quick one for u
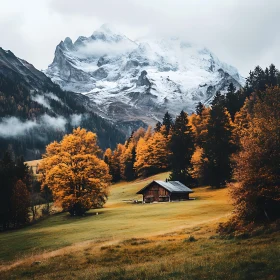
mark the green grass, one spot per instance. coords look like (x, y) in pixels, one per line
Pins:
(164, 257)
(135, 241)
(117, 220)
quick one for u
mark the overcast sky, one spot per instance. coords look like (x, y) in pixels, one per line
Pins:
(243, 33)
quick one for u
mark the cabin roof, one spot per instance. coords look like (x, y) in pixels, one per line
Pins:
(171, 186)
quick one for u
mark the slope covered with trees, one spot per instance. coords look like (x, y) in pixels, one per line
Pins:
(236, 140)
(34, 111)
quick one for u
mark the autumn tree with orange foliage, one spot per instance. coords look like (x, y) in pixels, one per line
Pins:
(159, 152)
(199, 123)
(152, 153)
(115, 164)
(141, 165)
(256, 196)
(76, 175)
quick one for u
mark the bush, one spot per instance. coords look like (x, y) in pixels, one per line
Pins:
(190, 239)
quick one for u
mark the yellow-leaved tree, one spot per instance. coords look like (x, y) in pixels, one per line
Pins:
(141, 165)
(75, 174)
(256, 196)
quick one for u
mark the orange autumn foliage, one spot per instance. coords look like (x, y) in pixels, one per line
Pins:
(256, 196)
(77, 177)
(152, 153)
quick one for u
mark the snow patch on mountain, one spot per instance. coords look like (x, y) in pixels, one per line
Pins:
(139, 81)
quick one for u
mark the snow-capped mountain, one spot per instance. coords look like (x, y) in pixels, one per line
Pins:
(138, 81)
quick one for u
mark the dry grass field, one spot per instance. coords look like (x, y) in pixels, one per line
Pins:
(33, 164)
(140, 241)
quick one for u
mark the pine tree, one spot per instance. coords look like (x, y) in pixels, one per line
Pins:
(20, 203)
(234, 100)
(218, 99)
(167, 122)
(199, 108)
(231, 100)
(181, 148)
(10, 172)
(7, 179)
(129, 140)
(158, 127)
(127, 160)
(273, 76)
(218, 147)
(260, 79)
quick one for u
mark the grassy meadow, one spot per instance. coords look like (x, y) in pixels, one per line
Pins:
(175, 240)
(33, 164)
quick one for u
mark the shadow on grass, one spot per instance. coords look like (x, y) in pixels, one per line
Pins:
(67, 217)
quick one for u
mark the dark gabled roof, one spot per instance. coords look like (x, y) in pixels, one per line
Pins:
(171, 186)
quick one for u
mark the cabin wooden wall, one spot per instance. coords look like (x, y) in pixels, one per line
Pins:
(180, 196)
(156, 191)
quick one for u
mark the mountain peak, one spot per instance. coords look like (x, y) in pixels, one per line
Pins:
(107, 28)
(107, 32)
(140, 81)
(68, 41)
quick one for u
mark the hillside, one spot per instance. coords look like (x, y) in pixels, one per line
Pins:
(131, 82)
(135, 241)
(34, 111)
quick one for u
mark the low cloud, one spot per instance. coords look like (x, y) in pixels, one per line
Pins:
(41, 100)
(44, 99)
(99, 48)
(13, 127)
(55, 123)
(75, 120)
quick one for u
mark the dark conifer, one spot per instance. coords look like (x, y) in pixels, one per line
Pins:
(217, 149)
(199, 108)
(10, 173)
(182, 149)
(129, 172)
(20, 202)
(167, 122)
(7, 170)
(218, 99)
(232, 100)
(129, 139)
(158, 126)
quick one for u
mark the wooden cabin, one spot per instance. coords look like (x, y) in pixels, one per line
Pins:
(165, 191)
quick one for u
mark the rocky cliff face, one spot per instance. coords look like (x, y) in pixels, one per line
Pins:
(134, 82)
